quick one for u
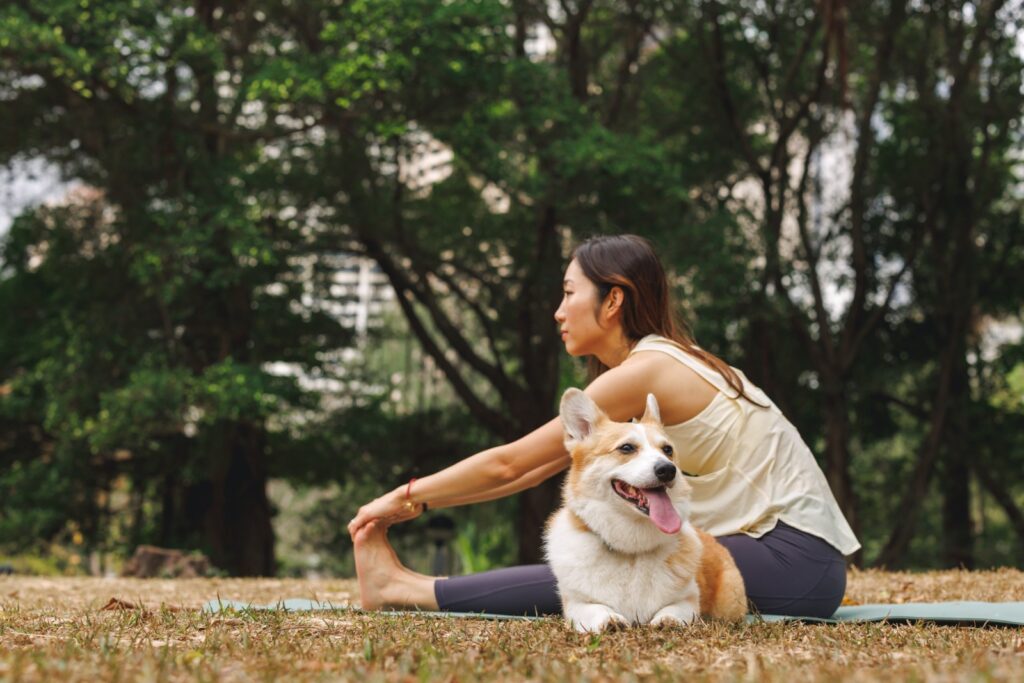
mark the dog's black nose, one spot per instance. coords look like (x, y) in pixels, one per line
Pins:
(665, 471)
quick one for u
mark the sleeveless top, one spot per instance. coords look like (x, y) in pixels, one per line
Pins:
(748, 465)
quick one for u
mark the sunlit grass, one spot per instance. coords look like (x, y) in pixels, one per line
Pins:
(56, 629)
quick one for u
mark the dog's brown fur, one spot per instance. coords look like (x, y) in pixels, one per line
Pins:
(696, 557)
(722, 594)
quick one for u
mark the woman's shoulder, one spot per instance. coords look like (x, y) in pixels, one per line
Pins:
(658, 353)
(662, 367)
(649, 357)
(653, 340)
(664, 345)
(680, 390)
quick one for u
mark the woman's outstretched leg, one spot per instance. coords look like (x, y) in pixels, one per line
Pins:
(383, 580)
(529, 590)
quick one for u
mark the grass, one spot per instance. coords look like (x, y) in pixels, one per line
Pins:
(56, 629)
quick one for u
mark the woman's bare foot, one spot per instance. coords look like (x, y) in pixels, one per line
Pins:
(383, 581)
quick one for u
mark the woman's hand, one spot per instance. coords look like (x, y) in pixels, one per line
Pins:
(390, 508)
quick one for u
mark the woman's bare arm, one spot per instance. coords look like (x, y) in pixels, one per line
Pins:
(528, 480)
(480, 477)
(512, 467)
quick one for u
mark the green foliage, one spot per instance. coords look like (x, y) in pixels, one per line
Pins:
(480, 549)
(49, 562)
(231, 152)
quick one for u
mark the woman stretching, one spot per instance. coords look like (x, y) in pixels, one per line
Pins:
(756, 485)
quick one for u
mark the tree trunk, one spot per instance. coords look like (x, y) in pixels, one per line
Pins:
(169, 510)
(238, 517)
(957, 535)
(540, 349)
(906, 513)
(837, 457)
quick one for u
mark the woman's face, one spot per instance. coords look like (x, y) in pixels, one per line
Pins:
(576, 315)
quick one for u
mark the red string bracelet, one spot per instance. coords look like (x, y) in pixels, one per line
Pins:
(408, 495)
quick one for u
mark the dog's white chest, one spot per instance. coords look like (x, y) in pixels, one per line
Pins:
(634, 586)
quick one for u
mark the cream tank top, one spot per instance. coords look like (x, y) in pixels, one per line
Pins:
(748, 466)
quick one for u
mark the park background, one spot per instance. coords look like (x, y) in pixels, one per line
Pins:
(292, 254)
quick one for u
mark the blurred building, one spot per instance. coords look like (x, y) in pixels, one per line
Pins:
(360, 293)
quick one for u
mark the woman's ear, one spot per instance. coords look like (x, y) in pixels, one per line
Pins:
(613, 302)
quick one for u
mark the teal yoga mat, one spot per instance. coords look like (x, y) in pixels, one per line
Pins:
(303, 605)
(952, 613)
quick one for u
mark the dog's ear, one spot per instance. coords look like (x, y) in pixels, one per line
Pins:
(652, 412)
(579, 415)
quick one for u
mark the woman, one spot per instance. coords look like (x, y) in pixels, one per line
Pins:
(756, 485)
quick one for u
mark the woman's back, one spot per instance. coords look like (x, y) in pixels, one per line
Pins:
(747, 464)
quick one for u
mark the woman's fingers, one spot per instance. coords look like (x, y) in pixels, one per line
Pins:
(368, 515)
(361, 519)
(388, 509)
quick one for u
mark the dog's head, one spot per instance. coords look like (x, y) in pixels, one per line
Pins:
(623, 482)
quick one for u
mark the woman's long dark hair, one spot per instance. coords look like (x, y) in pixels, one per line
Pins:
(629, 262)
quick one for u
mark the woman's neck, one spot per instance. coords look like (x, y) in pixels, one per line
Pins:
(615, 350)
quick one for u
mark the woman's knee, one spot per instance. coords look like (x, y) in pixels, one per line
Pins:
(817, 597)
(783, 577)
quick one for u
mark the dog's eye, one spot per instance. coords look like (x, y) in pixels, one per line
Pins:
(667, 450)
(627, 448)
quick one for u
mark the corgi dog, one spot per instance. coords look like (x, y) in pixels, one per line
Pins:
(621, 546)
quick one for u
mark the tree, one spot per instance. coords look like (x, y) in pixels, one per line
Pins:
(476, 259)
(189, 257)
(851, 87)
(966, 79)
(237, 147)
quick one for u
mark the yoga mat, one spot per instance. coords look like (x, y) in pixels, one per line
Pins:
(303, 605)
(952, 613)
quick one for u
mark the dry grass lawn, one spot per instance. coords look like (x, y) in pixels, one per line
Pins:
(56, 629)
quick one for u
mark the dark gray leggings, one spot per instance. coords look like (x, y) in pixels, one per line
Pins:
(786, 571)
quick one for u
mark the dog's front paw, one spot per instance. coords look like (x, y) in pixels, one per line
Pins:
(594, 618)
(680, 614)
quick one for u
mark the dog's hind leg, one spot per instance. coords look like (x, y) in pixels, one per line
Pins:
(592, 617)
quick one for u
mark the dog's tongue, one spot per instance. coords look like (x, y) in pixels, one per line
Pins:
(663, 513)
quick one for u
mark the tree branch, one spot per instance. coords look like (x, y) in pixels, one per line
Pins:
(824, 326)
(865, 143)
(481, 314)
(1004, 498)
(788, 125)
(494, 373)
(801, 54)
(424, 294)
(575, 50)
(974, 54)
(492, 419)
(764, 76)
(910, 503)
(625, 72)
(721, 82)
(850, 350)
(911, 408)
